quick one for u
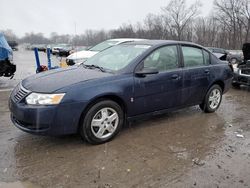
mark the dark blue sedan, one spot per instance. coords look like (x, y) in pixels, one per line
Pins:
(124, 82)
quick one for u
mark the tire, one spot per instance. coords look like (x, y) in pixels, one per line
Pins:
(212, 99)
(102, 122)
(233, 61)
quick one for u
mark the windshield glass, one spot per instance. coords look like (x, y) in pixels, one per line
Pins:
(104, 45)
(117, 57)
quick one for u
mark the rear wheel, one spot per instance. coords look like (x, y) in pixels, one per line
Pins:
(212, 99)
(102, 122)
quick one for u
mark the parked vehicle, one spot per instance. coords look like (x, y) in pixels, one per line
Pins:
(55, 49)
(81, 56)
(65, 51)
(41, 47)
(7, 68)
(219, 53)
(242, 70)
(125, 82)
(13, 44)
(235, 56)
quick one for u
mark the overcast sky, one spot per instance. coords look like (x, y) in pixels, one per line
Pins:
(61, 16)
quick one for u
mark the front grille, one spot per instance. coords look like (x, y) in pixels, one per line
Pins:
(19, 93)
(245, 71)
(30, 126)
(243, 79)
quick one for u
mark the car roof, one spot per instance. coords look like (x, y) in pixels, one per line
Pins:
(215, 48)
(163, 42)
(126, 39)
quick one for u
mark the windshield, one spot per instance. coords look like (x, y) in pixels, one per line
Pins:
(104, 45)
(117, 57)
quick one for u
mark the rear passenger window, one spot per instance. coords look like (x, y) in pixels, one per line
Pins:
(192, 56)
(206, 57)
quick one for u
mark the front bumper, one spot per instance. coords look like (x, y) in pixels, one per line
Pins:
(241, 79)
(57, 120)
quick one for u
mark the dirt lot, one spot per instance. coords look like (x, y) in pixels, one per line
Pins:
(186, 148)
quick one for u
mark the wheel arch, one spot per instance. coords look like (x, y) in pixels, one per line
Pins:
(112, 97)
(217, 82)
(220, 83)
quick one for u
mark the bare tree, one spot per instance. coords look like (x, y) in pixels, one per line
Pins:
(228, 27)
(10, 35)
(180, 15)
(124, 31)
(245, 15)
(34, 38)
(234, 17)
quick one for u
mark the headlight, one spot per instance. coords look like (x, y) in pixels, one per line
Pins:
(44, 99)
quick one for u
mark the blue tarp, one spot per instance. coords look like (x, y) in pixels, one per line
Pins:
(5, 49)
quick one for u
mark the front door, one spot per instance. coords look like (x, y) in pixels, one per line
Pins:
(163, 90)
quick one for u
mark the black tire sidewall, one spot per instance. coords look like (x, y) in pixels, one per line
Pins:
(85, 129)
(206, 106)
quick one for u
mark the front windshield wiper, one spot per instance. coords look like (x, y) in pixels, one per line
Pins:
(93, 67)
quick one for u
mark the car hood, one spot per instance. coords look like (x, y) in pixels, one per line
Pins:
(82, 55)
(50, 81)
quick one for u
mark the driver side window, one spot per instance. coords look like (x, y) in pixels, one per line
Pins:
(163, 59)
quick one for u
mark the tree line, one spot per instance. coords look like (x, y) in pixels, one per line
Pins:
(227, 26)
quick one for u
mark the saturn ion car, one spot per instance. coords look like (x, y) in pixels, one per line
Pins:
(124, 82)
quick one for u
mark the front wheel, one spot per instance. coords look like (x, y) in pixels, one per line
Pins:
(102, 122)
(212, 99)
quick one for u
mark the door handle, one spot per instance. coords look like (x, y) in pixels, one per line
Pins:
(207, 71)
(175, 77)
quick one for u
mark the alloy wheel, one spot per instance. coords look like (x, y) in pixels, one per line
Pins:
(104, 123)
(214, 98)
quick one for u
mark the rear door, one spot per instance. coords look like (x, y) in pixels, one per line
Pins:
(196, 74)
(163, 90)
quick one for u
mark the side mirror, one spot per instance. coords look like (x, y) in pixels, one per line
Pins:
(146, 71)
